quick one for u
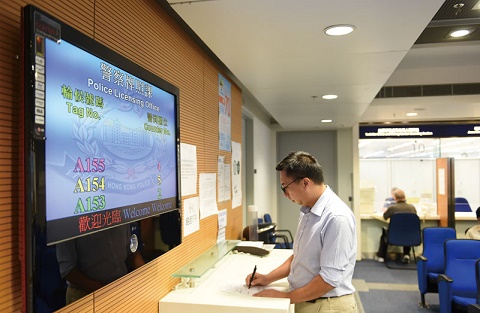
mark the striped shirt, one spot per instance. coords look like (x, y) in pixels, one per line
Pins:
(325, 244)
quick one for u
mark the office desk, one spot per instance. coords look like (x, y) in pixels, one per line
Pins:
(465, 216)
(209, 295)
(379, 217)
(371, 229)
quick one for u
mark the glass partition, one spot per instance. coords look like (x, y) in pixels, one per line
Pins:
(409, 164)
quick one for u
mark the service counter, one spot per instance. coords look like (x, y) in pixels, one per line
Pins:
(371, 229)
(212, 292)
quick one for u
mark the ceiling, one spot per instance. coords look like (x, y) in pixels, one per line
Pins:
(278, 51)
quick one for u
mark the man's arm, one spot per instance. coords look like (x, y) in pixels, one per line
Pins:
(280, 272)
(316, 288)
(387, 214)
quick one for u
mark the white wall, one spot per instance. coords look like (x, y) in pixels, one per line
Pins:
(345, 165)
(467, 181)
(356, 187)
(260, 157)
(415, 176)
(264, 169)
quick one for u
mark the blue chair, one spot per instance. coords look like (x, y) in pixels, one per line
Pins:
(477, 279)
(432, 261)
(457, 288)
(403, 230)
(462, 205)
(475, 308)
(284, 234)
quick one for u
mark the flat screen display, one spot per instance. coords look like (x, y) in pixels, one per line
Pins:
(101, 149)
(108, 131)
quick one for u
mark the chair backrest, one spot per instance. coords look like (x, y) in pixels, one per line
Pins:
(404, 230)
(267, 218)
(433, 242)
(460, 261)
(462, 205)
(477, 277)
(266, 231)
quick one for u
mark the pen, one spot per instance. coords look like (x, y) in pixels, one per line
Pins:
(251, 278)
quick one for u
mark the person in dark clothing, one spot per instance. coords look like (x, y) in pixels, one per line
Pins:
(401, 205)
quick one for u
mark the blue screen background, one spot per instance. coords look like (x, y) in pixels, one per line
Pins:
(134, 158)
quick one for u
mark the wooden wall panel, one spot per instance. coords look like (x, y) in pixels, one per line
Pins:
(79, 14)
(142, 32)
(10, 270)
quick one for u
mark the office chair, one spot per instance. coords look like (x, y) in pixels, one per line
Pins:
(286, 235)
(477, 279)
(432, 261)
(266, 233)
(475, 308)
(462, 205)
(457, 288)
(403, 230)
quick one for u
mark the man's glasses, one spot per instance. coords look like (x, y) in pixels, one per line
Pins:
(284, 188)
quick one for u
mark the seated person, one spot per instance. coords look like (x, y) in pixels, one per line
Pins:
(474, 232)
(95, 260)
(390, 200)
(401, 205)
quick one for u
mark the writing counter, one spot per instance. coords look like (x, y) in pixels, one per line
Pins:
(209, 295)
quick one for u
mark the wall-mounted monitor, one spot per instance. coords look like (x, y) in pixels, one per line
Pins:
(101, 136)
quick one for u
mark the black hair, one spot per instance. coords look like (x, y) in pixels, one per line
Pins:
(300, 164)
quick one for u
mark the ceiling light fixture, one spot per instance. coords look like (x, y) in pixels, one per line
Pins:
(326, 121)
(339, 30)
(411, 114)
(459, 33)
(329, 97)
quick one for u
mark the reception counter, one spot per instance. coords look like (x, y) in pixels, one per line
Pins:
(378, 216)
(371, 229)
(213, 292)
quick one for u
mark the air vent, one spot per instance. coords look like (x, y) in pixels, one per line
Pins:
(429, 90)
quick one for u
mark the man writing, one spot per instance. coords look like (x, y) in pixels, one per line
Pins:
(324, 253)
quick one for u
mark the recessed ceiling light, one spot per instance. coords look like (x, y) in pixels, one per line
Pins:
(339, 30)
(460, 33)
(326, 121)
(329, 97)
(411, 114)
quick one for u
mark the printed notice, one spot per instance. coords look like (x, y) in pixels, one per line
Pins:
(188, 155)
